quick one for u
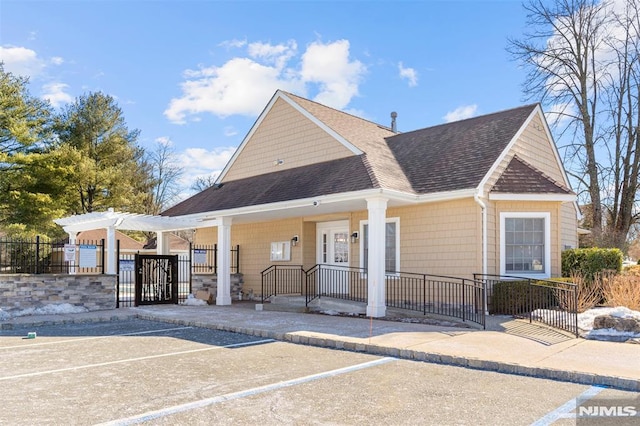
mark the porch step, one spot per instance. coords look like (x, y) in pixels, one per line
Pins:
(286, 304)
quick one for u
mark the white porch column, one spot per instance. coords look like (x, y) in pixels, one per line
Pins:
(162, 243)
(72, 240)
(111, 250)
(223, 296)
(377, 208)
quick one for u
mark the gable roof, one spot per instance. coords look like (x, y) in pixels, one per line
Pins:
(367, 136)
(456, 155)
(522, 178)
(450, 158)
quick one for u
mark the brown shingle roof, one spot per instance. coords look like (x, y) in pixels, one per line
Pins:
(330, 177)
(365, 135)
(522, 178)
(456, 155)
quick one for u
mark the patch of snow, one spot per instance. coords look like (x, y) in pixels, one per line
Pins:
(586, 319)
(53, 309)
(193, 301)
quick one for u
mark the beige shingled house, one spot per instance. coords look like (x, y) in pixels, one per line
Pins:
(311, 185)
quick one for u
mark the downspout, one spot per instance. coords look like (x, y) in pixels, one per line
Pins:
(483, 207)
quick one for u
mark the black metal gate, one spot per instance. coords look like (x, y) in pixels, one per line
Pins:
(156, 279)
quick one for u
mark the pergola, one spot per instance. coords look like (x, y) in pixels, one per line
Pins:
(112, 220)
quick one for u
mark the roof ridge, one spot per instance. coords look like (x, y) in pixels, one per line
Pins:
(477, 117)
(337, 110)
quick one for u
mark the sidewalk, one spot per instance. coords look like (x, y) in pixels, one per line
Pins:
(519, 348)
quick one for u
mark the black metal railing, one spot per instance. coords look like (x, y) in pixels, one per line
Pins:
(554, 303)
(39, 256)
(429, 294)
(338, 282)
(438, 295)
(204, 258)
(282, 280)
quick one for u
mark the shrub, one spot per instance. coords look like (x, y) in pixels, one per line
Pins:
(509, 298)
(623, 290)
(590, 261)
(588, 293)
(519, 297)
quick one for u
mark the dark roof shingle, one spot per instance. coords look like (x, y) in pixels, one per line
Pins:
(522, 178)
(330, 177)
(456, 155)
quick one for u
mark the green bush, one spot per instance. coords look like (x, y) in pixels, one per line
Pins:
(518, 297)
(590, 261)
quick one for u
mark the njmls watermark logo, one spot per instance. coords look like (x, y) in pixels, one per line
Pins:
(608, 411)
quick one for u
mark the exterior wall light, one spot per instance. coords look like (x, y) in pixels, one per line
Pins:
(294, 240)
(354, 237)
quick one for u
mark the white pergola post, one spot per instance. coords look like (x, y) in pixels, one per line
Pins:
(111, 250)
(72, 240)
(377, 210)
(162, 243)
(223, 296)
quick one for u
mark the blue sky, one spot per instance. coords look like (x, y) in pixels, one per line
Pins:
(199, 72)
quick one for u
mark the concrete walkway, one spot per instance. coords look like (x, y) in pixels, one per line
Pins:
(510, 346)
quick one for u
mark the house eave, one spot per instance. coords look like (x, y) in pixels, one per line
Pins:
(325, 204)
(565, 198)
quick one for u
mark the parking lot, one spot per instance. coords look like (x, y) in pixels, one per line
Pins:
(136, 371)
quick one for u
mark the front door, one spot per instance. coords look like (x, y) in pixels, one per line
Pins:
(333, 251)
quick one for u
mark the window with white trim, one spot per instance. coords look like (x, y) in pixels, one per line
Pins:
(391, 246)
(525, 244)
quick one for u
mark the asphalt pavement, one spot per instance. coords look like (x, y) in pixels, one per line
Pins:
(507, 346)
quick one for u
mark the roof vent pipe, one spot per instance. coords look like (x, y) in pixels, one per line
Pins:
(394, 129)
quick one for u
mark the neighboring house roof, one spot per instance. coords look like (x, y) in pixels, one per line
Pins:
(445, 158)
(522, 178)
(126, 242)
(175, 243)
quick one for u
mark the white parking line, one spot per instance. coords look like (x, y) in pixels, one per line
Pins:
(151, 415)
(563, 411)
(92, 338)
(122, 361)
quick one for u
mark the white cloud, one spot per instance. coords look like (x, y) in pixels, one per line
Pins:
(460, 113)
(242, 85)
(409, 73)
(202, 163)
(230, 131)
(330, 67)
(233, 43)
(56, 94)
(57, 60)
(21, 61)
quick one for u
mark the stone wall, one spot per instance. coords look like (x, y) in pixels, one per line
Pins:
(209, 282)
(93, 292)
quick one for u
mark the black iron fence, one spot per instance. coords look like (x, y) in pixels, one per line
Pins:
(204, 258)
(280, 280)
(554, 303)
(40, 256)
(439, 295)
(429, 294)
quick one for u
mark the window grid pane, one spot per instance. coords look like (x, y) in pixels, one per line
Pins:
(524, 245)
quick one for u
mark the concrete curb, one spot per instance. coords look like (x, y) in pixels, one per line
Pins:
(621, 383)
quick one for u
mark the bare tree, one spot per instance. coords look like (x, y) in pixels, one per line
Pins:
(202, 183)
(582, 61)
(166, 174)
(623, 83)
